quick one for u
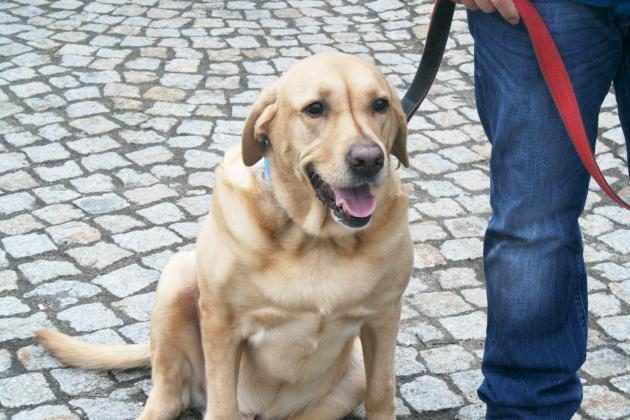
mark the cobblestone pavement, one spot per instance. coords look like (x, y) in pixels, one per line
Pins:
(113, 114)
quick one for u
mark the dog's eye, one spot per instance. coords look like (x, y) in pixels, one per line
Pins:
(315, 109)
(380, 105)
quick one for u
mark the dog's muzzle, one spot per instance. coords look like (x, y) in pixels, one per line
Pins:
(351, 206)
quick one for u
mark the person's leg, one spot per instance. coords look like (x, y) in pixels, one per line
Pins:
(536, 282)
(622, 83)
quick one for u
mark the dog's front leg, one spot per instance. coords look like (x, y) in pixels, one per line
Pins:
(378, 338)
(222, 352)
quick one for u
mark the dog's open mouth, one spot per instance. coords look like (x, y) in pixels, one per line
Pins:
(352, 206)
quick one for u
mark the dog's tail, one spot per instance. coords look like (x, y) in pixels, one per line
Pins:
(85, 355)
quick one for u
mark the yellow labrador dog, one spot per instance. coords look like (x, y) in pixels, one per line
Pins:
(290, 304)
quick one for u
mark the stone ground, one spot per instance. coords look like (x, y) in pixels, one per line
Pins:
(113, 114)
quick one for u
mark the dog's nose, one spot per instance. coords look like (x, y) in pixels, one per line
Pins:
(365, 159)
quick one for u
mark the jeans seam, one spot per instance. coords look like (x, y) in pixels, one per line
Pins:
(579, 300)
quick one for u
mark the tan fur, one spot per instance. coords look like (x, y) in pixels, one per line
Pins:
(78, 353)
(281, 311)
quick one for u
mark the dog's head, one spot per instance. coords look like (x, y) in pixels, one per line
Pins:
(328, 128)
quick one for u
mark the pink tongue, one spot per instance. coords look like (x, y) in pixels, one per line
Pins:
(357, 201)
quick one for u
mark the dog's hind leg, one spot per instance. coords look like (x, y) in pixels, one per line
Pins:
(176, 357)
(344, 397)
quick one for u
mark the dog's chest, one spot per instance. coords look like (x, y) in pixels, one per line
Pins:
(298, 346)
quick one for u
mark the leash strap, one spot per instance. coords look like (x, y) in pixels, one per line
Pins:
(551, 66)
(559, 85)
(434, 46)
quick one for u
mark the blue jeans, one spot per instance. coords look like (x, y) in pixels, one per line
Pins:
(536, 280)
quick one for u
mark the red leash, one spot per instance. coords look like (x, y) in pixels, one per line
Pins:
(551, 65)
(561, 90)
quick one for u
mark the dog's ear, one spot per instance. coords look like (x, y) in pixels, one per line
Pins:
(257, 126)
(399, 147)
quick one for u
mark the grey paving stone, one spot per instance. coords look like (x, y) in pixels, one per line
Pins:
(58, 213)
(166, 94)
(407, 362)
(118, 224)
(466, 327)
(162, 213)
(12, 161)
(8, 278)
(35, 358)
(104, 161)
(601, 403)
(427, 256)
(146, 240)
(618, 240)
(462, 249)
(150, 155)
(29, 89)
(16, 181)
(12, 203)
(474, 412)
(82, 93)
(137, 333)
(18, 225)
(10, 305)
(107, 409)
(64, 292)
(150, 194)
(168, 171)
(440, 304)
(441, 208)
(158, 260)
(468, 382)
(617, 327)
(613, 271)
(425, 231)
(47, 412)
(18, 139)
(80, 381)
(22, 327)
(457, 277)
(426, 394)
(447, 359)
(94, 125)
(475, 296)
(5, 360)
(621, 290)
(98, 256)
(127, 280)
(195, 127)
(201, 160)
(137, 307)
(55, 194)
(26, 389)
(101, 204)
(605, 363)
(89, 317)
(622, 383)
(46, 153)
(73, 233)
(105, 336)
(91, 145)
(603, 304)
(85, 108)
(466, 227)
(93, 184)
(56, 173)
(28, 245)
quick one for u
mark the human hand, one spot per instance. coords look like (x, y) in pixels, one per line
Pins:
(506, 8)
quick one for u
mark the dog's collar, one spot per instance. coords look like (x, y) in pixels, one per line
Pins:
(267, 168)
